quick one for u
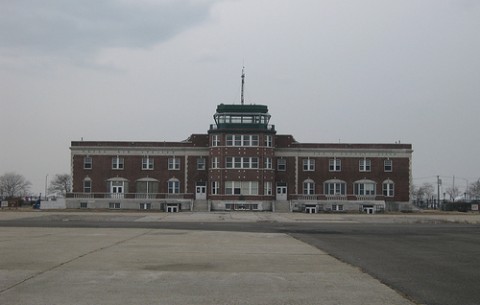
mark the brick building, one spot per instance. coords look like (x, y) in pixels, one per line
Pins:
(240, 164)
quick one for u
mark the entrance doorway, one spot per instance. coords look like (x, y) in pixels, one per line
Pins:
(172, 208)
(281, 191)
(368, 209)
(311, 209)
(201, 191)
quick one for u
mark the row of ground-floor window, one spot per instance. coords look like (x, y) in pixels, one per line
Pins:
(369, 207)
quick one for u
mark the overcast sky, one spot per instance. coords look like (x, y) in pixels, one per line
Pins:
(152, 70)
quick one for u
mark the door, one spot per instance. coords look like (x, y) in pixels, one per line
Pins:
(201, 191)
(117, 189)
(310, 210)
(172, 208)
(281, 191)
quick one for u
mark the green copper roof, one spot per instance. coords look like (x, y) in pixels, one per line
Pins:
(235, 108)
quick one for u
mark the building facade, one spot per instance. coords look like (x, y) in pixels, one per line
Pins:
(240, 164)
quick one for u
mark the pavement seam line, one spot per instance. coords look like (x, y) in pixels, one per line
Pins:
(72, 260)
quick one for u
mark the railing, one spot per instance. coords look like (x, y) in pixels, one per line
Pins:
(139, 196)
(337, 197)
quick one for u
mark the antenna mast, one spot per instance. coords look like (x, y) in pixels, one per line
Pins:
(243, 84)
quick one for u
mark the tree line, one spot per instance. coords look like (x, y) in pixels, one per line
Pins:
(13, 185)
(427, 191)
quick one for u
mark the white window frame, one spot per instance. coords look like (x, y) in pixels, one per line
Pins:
(388, 188)
(241, 162)
(87, 189)
(215, 162)
(173, 186)
(239, 140)
(388, 165)
(335, 187)
(281, 164)
(308, 165)
(365, 188)
(173, 163)
(268, 188)
(114, 205)
(215, 188)
(87, 162)
(201, 163)
(147, 163)
(118, 163)
(268, 141)
(268, 163)
(145, 206)
(248, 188)
(337, 207)
(335, 165)
(215, 140)
(308, 187)
(365, 165)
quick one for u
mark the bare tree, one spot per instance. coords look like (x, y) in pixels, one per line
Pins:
(474, 190)
(453, 192)
(14, 185)
(61, 183)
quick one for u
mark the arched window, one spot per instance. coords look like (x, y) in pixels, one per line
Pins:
(335, 187)
(308, 187)
(146, 187)
(87, 185)
(173, 186)
(365, 187)
(388, 188)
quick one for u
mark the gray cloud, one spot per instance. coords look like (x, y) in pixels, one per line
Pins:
(58, 26)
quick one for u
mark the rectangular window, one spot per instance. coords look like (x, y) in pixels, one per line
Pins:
(114, 205)
(308, 164)
(268, 163)
(215, 188)
(308, 188)
(337, 207)
(241, 188)
(335, 165)
(83, 205)
(365, 165)
(201, 164)
(388, 189)
(241, 162)
(267, 188)
(147, 163)
(117, 163)
(215, 162)
(173, 186)
(242, 140)
(388, 165)
(215, 140)
(87, 186)
(145, 206)
(87, 163)
(173, 163)
(281, 165)
(268, 141)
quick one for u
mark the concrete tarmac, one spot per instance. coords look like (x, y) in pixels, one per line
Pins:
(158, 266)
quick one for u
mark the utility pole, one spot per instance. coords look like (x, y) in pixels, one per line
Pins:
(439, 182)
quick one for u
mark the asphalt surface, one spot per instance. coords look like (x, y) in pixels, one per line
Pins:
(432, 262)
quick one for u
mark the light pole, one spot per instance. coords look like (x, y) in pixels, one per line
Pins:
(46, 179)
